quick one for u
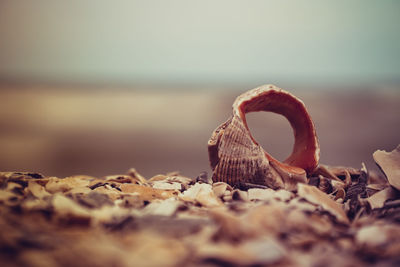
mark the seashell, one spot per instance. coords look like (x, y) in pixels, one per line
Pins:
(237, 159)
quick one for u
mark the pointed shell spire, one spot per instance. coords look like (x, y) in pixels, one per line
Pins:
(237, 159)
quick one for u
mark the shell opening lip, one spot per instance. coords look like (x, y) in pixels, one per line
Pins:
(269, 98)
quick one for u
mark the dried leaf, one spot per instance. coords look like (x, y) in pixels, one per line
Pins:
(340, 194)
(389, 162)
(80, 190)
(261, 194)
(316, 196)
(62, 185)
(130, 201)
(120, 178)
(68, 210)
(377, 187)
(111, 192)
(347, 179)
(37, 190)
(185, 181)
(263, 251)
(267, 219)
(219, 188)
(325, 171)
(158, 177)
(137, 176)
(283, 195)
(378, 199)
(167, 185)
(175, 182)
(93, 200)
(201, 193)
(6, 196)
(240, 195)
(165, 207)
(147, 193)
(15, 188)
(376, 238)
(203, 178)
(300, 203)
(231, 227)
(325, 185)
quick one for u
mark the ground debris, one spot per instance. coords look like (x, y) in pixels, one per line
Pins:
(342, 217)
(389, 162)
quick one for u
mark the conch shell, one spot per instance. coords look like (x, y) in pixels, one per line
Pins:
(237, 159)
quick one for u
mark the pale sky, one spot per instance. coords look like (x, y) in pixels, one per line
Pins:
(181, 41)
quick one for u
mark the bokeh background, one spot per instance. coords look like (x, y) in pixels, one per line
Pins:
(97, 87)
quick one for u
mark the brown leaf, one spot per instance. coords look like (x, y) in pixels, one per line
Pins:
(68, 210)
(165, 207)
(7, 197)
(158, 177)
(219, 188)
(378, 199)
(378, 239)
(316, 196)
(262, 251)
(389, 162)
(147, 193)
(136, 175)
(261, 194)
(106, 189)
(340, 194)
(62, 185)
(231, 227)
(325, 171)
(267, 218)
(166, 185)
(37, 190)
(120, 178)
(240, 195)
(201, 193)
(93, 199)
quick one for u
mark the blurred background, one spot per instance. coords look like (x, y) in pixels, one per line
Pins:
(98, 87)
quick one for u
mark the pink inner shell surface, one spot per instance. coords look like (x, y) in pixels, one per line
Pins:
(305, 154)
